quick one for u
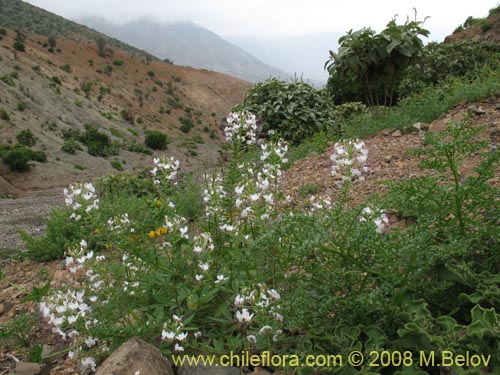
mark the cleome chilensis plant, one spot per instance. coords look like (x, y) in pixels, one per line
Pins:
(256, 270)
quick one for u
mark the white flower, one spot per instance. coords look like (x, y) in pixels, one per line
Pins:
(252, 339)
(204, 266)
(88, 363)
(244, 316)
(168, 335)
(197, 334)
(181, 336)
(178, 348)
(238, 300)
(265, 329)
(220, 278)
(199, 277)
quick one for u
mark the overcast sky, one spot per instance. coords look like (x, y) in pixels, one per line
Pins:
(261, 18)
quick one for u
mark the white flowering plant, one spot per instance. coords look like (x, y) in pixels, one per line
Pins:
(256, 270)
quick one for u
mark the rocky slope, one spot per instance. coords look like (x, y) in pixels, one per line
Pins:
(124, 95)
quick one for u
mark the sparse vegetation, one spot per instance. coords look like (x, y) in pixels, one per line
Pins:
(98, 143)
(4, 115)
(26, 138)
(71, 146)
(116, 164)
(66, 68)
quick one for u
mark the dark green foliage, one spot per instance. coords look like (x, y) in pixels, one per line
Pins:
(118, 62)
(19, 46)
(56, 80)
(485, 26)
(156, 140)
(18, 158)
(186, 124)
(71, 146)
(66, 68)
(8, 79)
(98, 144)
(294, 110)
(372, 64)
(61, 234)
(86, 87)
(140, 149)
(116, 164)
(151, 73)
(108, 70)
(21, 106)
(442, 61)
(4, 115)
(3, 31)
(26, 138)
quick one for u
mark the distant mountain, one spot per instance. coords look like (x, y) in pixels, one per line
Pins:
(303, 55)
(190, 45)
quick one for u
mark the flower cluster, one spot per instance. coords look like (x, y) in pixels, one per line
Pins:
(81, 196)
(263, 304)
(349, 159)
(376, 216)
(165, 168)
(173, 331)
(241, 128)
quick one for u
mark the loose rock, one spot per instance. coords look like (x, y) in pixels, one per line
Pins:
(136, 357)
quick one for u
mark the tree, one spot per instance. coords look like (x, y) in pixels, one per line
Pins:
(373, 63)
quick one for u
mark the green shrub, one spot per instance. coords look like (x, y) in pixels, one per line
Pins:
(116, 164)
(4, 115)
(19, 46)
(186, 124)
(71, 146)
(294, 110)
(8, 79)
(21, 106)
(441, 61)
(66, 68)
(118, 62)
(151, 73)
(61, 234)
(18, 158)
(56, 80)
(3, 31)
(485, 26)
(26, 138)
(127, 115)
(98, 144)
(156, 140)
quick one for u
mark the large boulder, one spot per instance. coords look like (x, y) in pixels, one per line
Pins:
(136, 357)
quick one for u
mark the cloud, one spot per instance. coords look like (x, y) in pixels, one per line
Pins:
(274, 17)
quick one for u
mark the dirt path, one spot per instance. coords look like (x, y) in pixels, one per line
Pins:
(28, 213)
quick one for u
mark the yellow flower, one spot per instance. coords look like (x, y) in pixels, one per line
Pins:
(97, 230)
(152, 234)
(158, 203)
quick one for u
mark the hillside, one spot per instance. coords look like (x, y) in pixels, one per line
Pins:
(189, 45)
(478, 30)
(55, 94)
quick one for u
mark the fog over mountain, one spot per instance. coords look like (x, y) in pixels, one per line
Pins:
(304, 55)
(190, 45)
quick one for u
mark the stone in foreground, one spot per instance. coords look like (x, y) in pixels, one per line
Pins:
(136, 357)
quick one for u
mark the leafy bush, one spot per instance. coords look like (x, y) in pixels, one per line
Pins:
(26, 138)
(156, 140)
(441, 61)
(118, 62)
(186, 124)
(7, 79)
(18, 158)
(373, 63)
(66, 68)
(71, 146)
(4, 115)
(293, 110)
(116, 164)
(19, 46)
(98, 144)
(151, 73)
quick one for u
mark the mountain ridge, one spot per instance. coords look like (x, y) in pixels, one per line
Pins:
(188, 44)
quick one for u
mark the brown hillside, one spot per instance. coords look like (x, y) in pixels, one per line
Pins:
(476, 34)
(43, 95)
